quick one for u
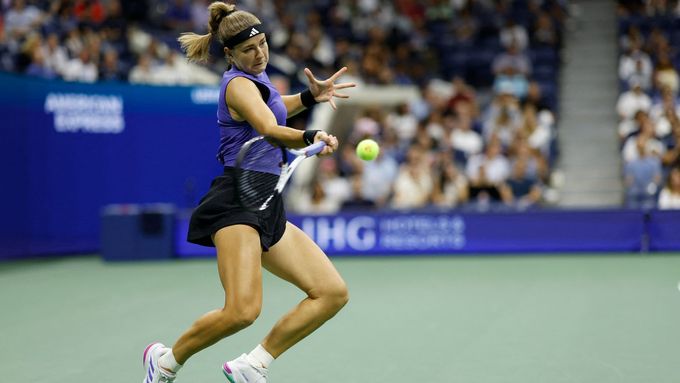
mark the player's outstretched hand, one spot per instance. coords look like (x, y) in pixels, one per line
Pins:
(324, 91)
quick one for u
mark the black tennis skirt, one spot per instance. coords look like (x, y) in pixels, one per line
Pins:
(218, 209)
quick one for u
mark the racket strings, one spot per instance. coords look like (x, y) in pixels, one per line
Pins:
(256, 187)
(256, 183)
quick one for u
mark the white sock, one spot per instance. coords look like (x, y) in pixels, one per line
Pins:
(260, 357)
(168, 362)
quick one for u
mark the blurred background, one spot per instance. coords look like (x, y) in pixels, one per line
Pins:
(502, 107)
(514, 127)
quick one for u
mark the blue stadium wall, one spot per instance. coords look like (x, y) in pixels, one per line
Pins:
(69, 149)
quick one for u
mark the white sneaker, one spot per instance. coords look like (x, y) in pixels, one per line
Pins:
(154, 374)
(240, 370)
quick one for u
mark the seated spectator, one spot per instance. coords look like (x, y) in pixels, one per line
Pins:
(536, 97)
(21, 19)
(464, 139)
(657, 44)
(511, 33)
(537, 127)
(32, 43)
(646, 138)
(403, 122)
(38, 67)
(512, 69)
(414, 184)
(629, 127)
(664, 112)
(111, 69)
(81, 68)
(631, 101)
(635, 67)
(642, 177)
(535, 164)
(544, 32)
(337, 189)
(487, 171)
(669, 198)
(505, 123)
(424, 139)
(142, 73)
(632, 38)
(317, 202)
(357, 200)
(450, 185)
(366, 126)
(54, 54)
(512, 62)
(74, 42)
(521, 190)
(463, 98)
(377, 178)
(665, 75)
(434, 125)
(173, 71)
(466, 28)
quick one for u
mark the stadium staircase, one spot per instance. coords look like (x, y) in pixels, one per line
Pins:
(590, 161)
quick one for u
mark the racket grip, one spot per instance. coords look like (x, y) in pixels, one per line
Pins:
(314, 149)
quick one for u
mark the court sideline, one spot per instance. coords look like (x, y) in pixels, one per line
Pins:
(501, 319)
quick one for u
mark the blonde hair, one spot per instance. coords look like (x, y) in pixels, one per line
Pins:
(225, 21)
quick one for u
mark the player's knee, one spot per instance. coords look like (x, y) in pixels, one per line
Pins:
(336, 295)
(242, 316)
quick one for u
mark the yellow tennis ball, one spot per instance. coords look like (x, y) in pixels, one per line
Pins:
(368, 150)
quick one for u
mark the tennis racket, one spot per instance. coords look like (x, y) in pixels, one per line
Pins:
(264, 166)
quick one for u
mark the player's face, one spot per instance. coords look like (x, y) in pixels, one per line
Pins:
(252, 55)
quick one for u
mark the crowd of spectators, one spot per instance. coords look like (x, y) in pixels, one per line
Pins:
(648, 107)
(97, 40)
(481, 134)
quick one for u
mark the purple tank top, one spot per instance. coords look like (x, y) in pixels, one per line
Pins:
(233, 134)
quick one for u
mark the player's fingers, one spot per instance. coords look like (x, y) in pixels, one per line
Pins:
(340, 95)
(345, 85)
(338, 73)
(309, 75)
(330, 101)
(331, 141)
(326, 151)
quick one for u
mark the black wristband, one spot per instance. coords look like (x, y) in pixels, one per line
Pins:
(307, 98)
(308, 136)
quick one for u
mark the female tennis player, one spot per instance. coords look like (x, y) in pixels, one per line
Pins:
(246, 241)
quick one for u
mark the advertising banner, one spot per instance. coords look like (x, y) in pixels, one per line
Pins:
(68, 149)
(432, 233)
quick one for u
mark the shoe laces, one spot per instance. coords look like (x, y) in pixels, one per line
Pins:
(163, 377)
(261, 370)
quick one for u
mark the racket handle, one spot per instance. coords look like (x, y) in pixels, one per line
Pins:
(314, 149)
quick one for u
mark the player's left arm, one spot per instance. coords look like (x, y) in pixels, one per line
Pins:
(322, 91)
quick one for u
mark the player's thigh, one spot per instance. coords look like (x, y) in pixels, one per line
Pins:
(239, 264)
(298, 260)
